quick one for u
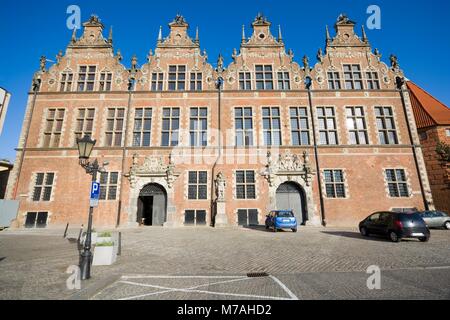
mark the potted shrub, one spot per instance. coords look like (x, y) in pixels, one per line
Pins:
(94, 236)
(104, 254)
(104, 237)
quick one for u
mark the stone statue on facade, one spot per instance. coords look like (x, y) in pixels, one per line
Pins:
(220, 67)
(320, 55)
(220, 187)
(394, 62)
(42, 63)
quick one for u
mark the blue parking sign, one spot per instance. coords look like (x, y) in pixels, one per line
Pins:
(95, 194)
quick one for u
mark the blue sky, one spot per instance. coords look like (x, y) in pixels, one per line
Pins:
(416, 31)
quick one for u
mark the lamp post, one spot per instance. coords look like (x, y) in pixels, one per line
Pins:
(85, 146)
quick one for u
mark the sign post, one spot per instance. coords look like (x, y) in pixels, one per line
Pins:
(95, 194)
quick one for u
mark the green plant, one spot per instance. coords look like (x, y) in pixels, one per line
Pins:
(443, 150)
(106, 244)
(106, 234)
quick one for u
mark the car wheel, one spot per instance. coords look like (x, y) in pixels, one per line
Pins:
(424, 239)
(394, 237)
(294, 230)
(447, 225)
(364, 232)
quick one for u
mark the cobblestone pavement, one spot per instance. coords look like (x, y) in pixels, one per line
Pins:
(313, 263)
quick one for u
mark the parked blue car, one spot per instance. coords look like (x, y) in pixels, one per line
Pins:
(281, 219)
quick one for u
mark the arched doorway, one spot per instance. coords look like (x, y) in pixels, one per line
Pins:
(152, 205)
(291, 196)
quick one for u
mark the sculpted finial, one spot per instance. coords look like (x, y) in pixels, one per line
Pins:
(42, 63)
(320, 55)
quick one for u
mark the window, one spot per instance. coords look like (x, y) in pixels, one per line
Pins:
(447, 132)
(386, 126)
(283, 81)
(272, 126)
(334, 81)
(199, 127)
(142, 127)
(86, 78)
(196, 81)
(299, 126)
(423, 135)
(197, 185)
(157, 81)
(66, 81)
(247, 217)
(84, 123)
(177, 78)
(53, 128)
(356, 125)
(43, 186)
(195, 217)
(114, 127)
(334, 183)
(245, 185)
(36, 220)
(372, 81)
(264, 77)
(397, 185)
(352, 76)
(245, 81)
(327, 126)
(170, 127)
(105, 81)
(108, 185)
(244, 126)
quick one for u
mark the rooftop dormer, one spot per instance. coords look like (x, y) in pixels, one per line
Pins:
(261, 37)
(345, 34)
(178, 36)
(92, 36)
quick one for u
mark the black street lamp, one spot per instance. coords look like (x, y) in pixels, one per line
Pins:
(85, 146)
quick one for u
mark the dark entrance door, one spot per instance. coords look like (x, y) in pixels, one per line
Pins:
(291, 197)
(152, 205)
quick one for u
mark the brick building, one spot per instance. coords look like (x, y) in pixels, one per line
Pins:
(189, 143)
(433, 124)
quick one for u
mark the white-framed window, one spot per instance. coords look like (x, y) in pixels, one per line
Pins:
(196, 81)
(334, 183)
(170, 127)
(397, 183)
(387, 131)
(177, 78)
(247, 217)
(356, 125)
(195, 217)
(264, 77)
(142, 127)
(353, 77)
(245, 81)
(243, 122)
(245, 184)
(373, 83)
(327, 126)
(284, 81)
(66, 81)
(114, 127)
(334, 80)
(43, 186)
(53, 127)
(198, 185)
(84, 123)
(36, 219)
(447, 132)
(157, 81)
(86, 78)
(299, 126)
(271, 126)
(109, 182)
(105, 81)
(198, 128)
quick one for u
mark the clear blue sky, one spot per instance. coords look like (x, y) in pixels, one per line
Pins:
(416, 31)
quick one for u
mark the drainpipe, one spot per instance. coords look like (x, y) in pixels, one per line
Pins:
(308, 84)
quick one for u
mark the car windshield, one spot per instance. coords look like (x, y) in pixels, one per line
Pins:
(285, 214)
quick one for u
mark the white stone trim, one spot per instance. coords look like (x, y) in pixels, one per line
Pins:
(257, 188)
(397, 127)
(408, 183)
(346, 187)
(186, 184)
(310, 126)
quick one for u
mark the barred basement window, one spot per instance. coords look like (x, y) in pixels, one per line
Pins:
(248, 217)
(114, 127)
(105, 81)
(397, 184)
(66, 81)
(195, 217)
(245, 185)
(85, 123)
(108, 185)
(264, 77)
(43, 186)
(36, 220)
(334, 81)
(283, 81)
(243, 122)
(387, 132)
(170, 127)
(86, 78)
(157, 81)
(327, 126)
(299, 126)
(197, 185)
(356, 125)
(53, 128)
(196, 81)
(353, 77)
(142, 127)
(272, 126)
(177, 78)
(245, 81)
(334, 183)
(199, 127)
(372, 81)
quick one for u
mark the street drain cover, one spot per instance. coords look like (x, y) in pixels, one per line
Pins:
(257, 274)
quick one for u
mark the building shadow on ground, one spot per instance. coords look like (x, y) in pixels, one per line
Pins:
(2, 258)
(263, 229)
(357, 235)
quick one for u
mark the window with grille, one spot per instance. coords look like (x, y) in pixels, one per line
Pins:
(243, 121)
(105, 81)
(197, 185)
(271, 126)
(157, 81)
(198, 129)
(86, 78)
(114, 127)
(43, 186)
(397, 184)
(299, 126)
(283, 81)
(327, 126)
(142, 127)
(170, 127)
(334, 183)
(264, 77)
(195, 217)
(66, 81)
(372, 81)
(353, 77)
(356, 125)
(245, 81)
(248, 217)
(84, 123)
(53, 128)
(196, 81)
(334, 81)
(387, 132)
(36, 220)
(245, 184)
(177, 78)
(108, 185)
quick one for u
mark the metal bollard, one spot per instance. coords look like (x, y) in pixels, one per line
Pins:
(119, 249)
(65, 231)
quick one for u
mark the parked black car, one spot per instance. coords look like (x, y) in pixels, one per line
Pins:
(436, 219)
(395, 225)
